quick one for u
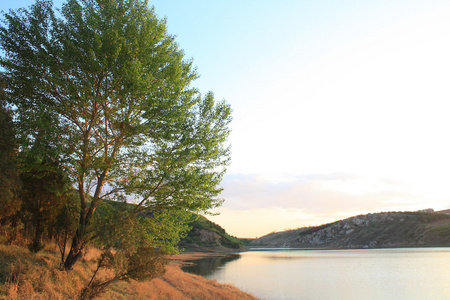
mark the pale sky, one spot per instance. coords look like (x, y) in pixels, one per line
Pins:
(340, 107)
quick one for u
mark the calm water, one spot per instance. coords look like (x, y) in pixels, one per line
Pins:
(335, 274)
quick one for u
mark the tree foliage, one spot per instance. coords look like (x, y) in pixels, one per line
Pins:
(64, 225)
(9, 176)
(45, 192)
(110, 91)
(132, 248)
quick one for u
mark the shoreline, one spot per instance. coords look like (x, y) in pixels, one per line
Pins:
(38, 276)
(177, 284)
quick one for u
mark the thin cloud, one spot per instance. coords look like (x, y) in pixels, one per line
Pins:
(314, 194)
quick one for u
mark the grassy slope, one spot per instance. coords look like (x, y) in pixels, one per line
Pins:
(196, 237)
(24, 275)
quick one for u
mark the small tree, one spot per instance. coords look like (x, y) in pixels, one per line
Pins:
(65, 224)
(9, 176)
(9, 179)
(116, 88)
(136, 246)
(45, 192)
(45, 186)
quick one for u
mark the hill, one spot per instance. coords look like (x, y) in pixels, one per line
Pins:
(208, 236)
(380, 230)
(204, 235)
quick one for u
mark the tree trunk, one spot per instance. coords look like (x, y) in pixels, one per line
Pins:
(76, 251)
(80, 239)
(77, 246)
(36, 244)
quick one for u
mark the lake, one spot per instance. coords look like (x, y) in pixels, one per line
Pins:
(418, 273)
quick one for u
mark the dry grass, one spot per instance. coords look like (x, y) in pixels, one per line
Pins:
(176, 284)
(24, 275)
(197, 287)
(36, 276)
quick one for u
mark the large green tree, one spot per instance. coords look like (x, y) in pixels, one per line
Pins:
(115, 89)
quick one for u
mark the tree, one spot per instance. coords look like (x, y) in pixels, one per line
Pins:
(126, 123)
(65, 224)
(45, 192)
(45, 186)
(9, 176)
(133, 248)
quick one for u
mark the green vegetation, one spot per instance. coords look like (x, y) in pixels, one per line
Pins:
(9, 175)
(104, 115)
(195, 236)
(426, 217)
(246, 241)
(443, 230)
(310, 230)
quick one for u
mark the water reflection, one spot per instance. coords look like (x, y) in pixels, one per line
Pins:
(375, 274)
(284, 257)
(209, 265)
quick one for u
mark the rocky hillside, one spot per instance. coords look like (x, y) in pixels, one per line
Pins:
(380, 230)
(208, 236)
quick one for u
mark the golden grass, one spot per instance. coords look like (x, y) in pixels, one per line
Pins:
(196, 287)
(176, 284)
(24, 275)
(37, 276)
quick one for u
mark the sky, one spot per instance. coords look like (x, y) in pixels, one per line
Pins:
(339, 107)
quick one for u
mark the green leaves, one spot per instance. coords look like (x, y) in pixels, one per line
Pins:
(109, 89)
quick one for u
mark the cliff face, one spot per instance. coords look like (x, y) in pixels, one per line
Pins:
(381, 230)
